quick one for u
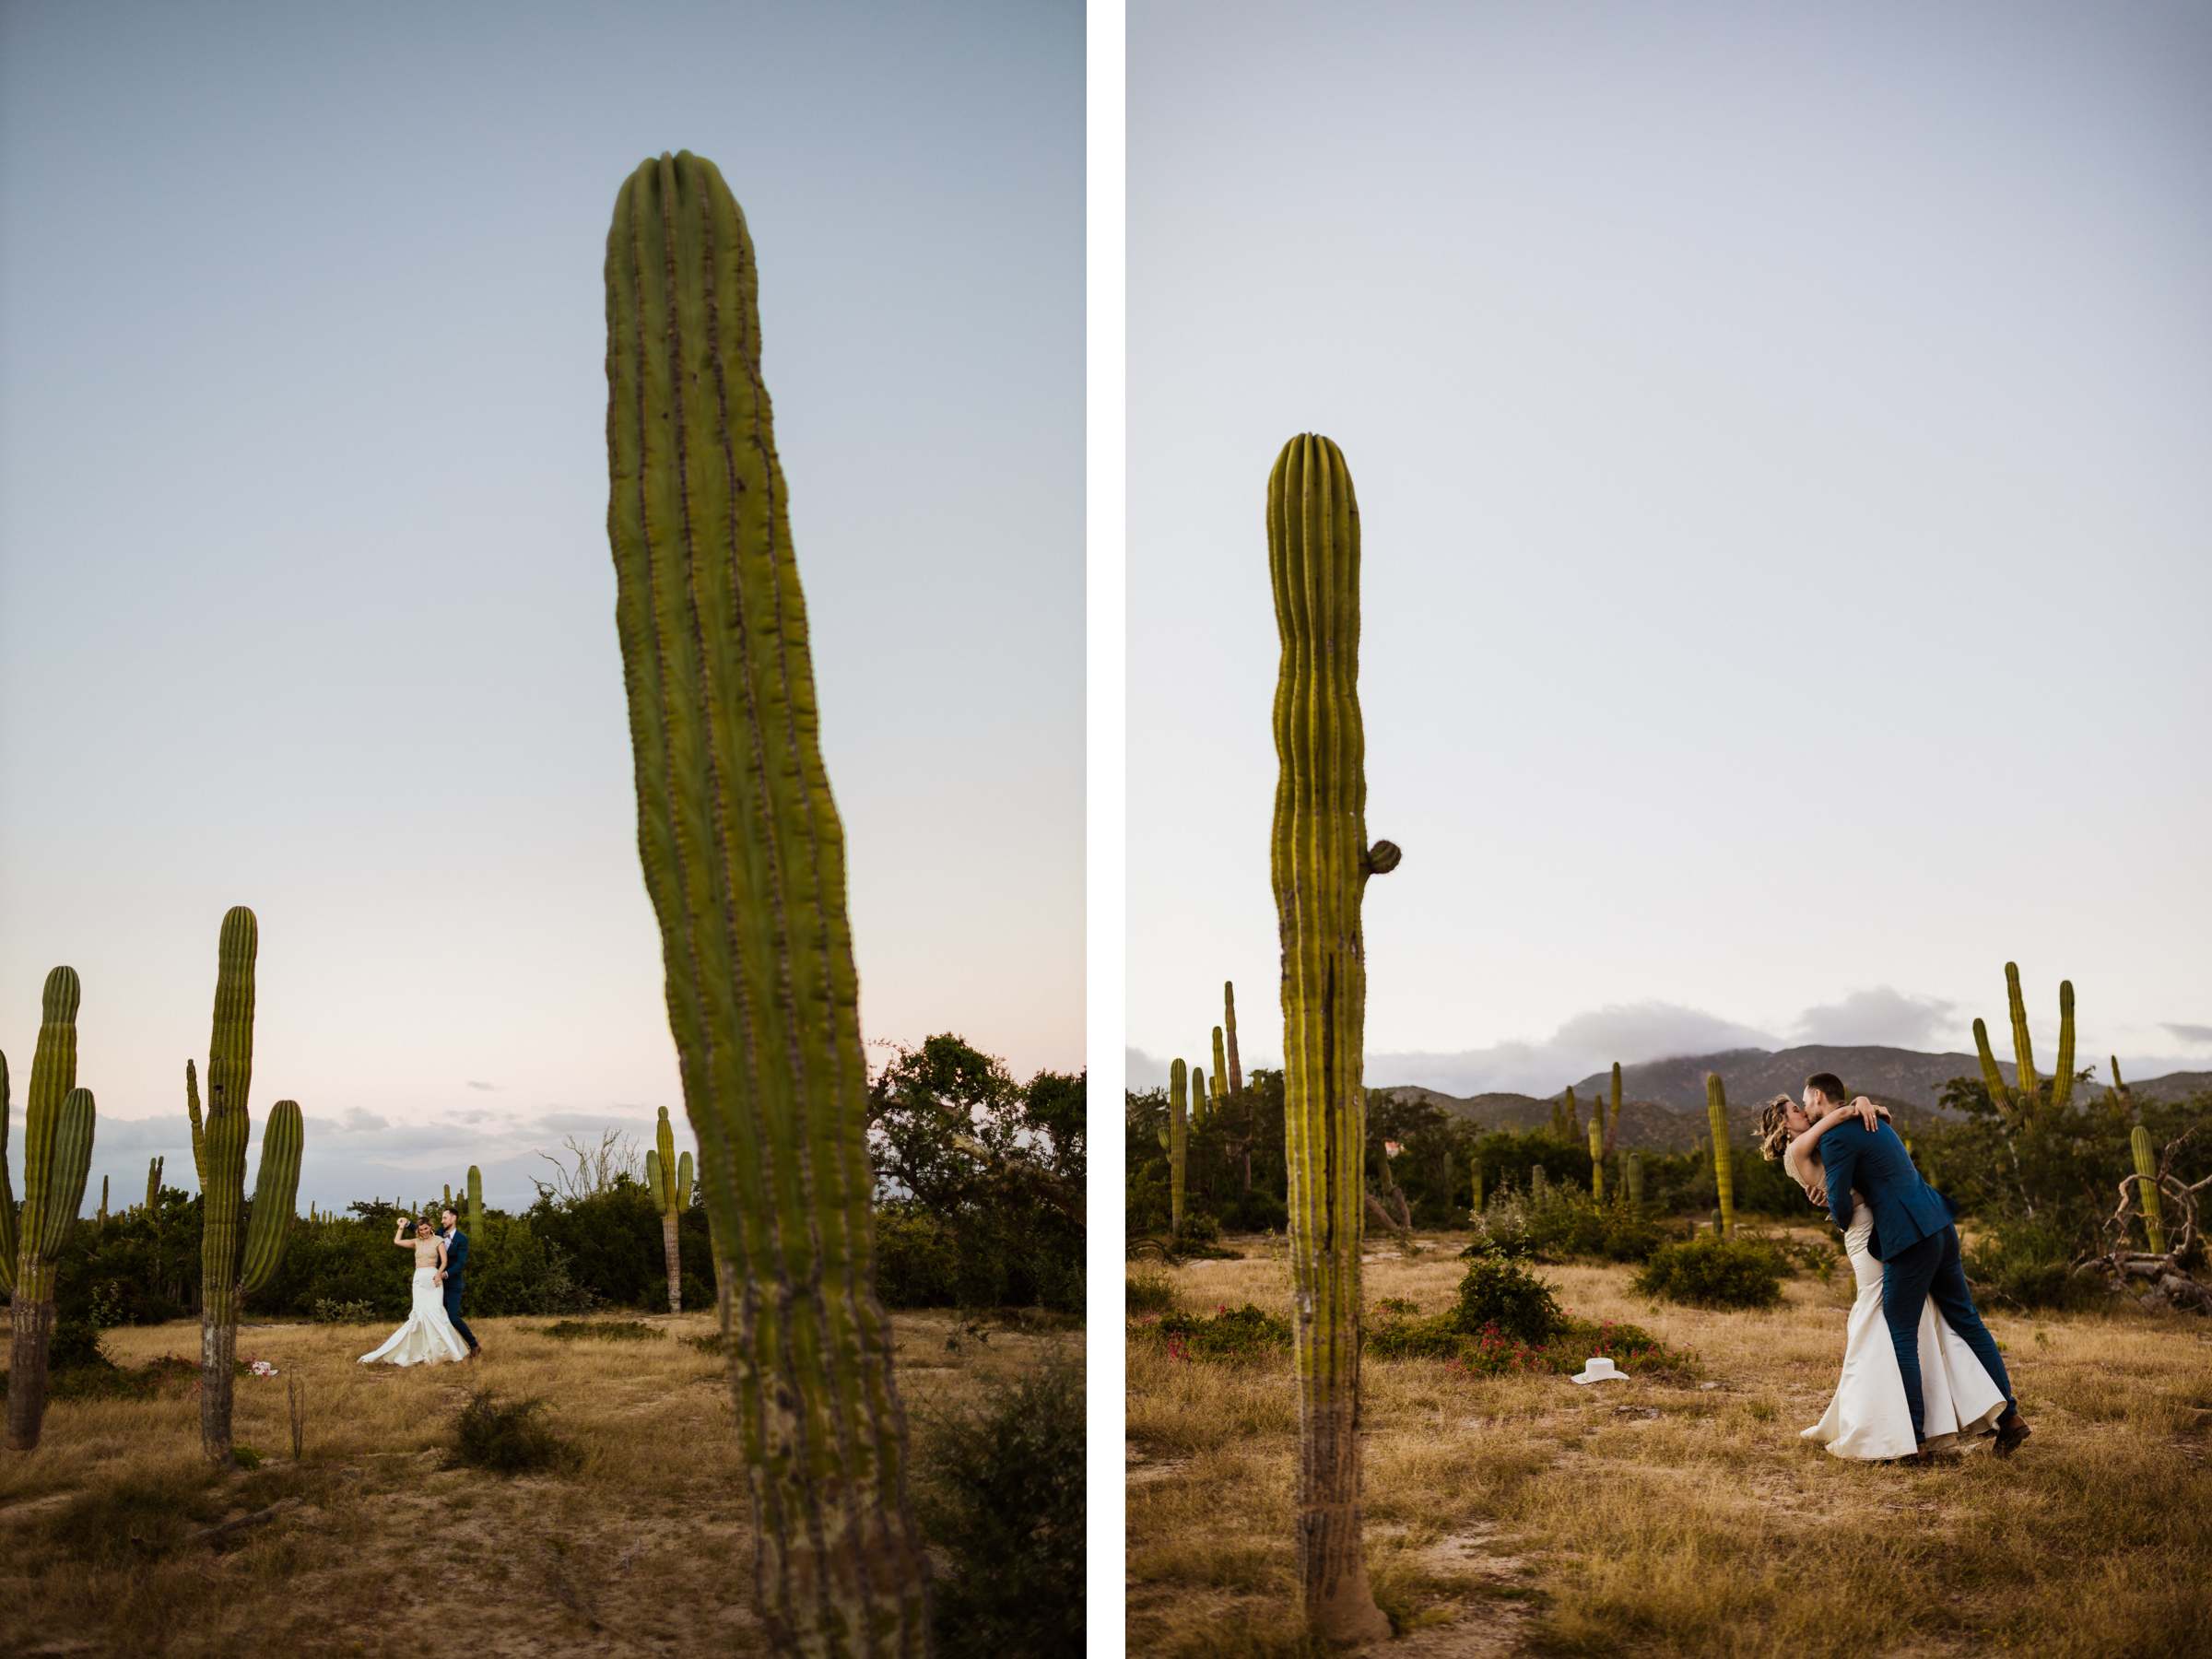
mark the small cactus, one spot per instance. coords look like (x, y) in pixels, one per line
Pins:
(1632, 1177)
(57, 1158)
(2146, 1189)
(1228, 1027)
(1197, 1096)
(669, 1180)
(476, 1203)
(153, 1185)
(1723, 1173)
(1597, 1153)
(1220, 1073)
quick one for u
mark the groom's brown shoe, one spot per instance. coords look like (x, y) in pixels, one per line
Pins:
(2010, 1433)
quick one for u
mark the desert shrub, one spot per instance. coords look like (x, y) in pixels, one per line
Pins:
(1500, 1294)
(509, 1437)
(513, 1269)
(1392, 1335)
(1227, 1334)
(75, 1345)
(712, 1343)
(1150, 1290)
(917, 1259)
(330, 1311)
(2029, 1265)
(129, 1521)
(601, 1330)
(1710, 1272)
(611, 1240)
(1001, 1492)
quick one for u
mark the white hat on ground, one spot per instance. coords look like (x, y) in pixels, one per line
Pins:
(1599, 1369)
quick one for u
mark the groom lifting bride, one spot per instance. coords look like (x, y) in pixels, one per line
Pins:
(1920, 1369)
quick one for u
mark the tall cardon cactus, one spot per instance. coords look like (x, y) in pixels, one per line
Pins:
(745, 860)
(153, 1184)
(230, 1267)
(1597, 1152)
(2146, 1189)
(57, 1158)
(1613, 1117)
(1179, 1134)
(1221, 1074)
(2024, 1094)
(1228, 1027)
(1198, 1096)
(1321, 861)
(1723, 1168)
(475, 1204)
(668, 1179)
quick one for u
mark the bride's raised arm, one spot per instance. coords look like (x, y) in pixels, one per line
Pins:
(399, 1236)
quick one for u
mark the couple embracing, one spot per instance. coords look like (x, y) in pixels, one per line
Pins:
(1921, 1371)
(435, 1330)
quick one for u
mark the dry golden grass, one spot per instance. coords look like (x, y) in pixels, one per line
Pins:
(1526, 1515)
(645, 1549)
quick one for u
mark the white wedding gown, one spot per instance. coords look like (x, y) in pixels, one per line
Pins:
(428, 1337)
(1868, 1418)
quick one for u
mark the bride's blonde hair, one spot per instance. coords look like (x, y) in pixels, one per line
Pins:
(1774, 1128)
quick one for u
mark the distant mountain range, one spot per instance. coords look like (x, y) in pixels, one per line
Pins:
(1663, 1101)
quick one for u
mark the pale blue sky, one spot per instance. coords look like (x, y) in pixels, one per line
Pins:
(1780, 434)
(305, 598)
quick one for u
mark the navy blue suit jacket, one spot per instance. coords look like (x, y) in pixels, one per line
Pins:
(1906, 1208)
(456, 1248)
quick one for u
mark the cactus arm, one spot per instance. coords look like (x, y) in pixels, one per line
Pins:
(1229, 1024)
(1178, 1142)
(2062, 1081)
(652, 1178)
(275, 1195)
(191, 1110)
(8, 1194)
(661, 1173)
(683, 1183)
(1724, 1171)
(1991, 1078)
(1220, 1073)
(744, 860)
(57, 1158)
(1320, 863)
(2023, 1048)
(1613, 1118)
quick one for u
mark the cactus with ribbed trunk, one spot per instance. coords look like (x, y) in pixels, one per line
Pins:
(57, 1160)
(230, 1269)
(101, 1219)
(1228, 1027)
(476, 1203)
(1179, 1084)
(199, 1135)
(2025, 1092)
(1613, 1118)
(153, 1184)
(1723, 1171)
(1632, 1178)
(744, 859)
(2146, 1189)
(1199, 1097)
(1597, 1153)
(1220, 1074)
(1321, 863)
(668, 1179)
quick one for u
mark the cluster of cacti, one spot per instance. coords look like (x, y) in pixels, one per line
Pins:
(476, 1203)
(1321, 861)
(2147, 1188)
(1597, 1154)
(744, 858)
(1178, 1143)
(1632, 1178)
(153, 1183)
(1228, 1026)
(1724, 1171)
(668, 1179)
(220, 1147)
(2025, 1092)
(58, 1160)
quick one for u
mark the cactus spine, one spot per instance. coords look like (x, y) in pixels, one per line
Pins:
(476, 1203)
(744, 858)
(57, 1160)
(1724, 1172)
(1178, 1143)
(2025, 1092)
(1597, 1153)
(1228, 1025)
(1632, 1177)
(227, 1271)
(1321, 863)
(669, 1182)
(2146, 1189)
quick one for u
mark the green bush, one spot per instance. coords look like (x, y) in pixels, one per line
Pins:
(602, 1330)
(1230, 1333)
(329, 1312)
(507, 1438)
(1000, 1492)
(1150, 1290)
(1498, 1294)
(2029, 1265)
(1710, 1272)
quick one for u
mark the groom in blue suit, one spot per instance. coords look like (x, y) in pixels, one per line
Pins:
(455, 1279)
(1917, 1244)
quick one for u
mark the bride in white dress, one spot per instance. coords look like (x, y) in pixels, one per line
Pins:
(429, 1336)
(1867, 1418)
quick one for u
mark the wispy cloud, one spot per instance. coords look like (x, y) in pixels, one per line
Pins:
(1884, 1016)
(486, 1087)
(2190, 1033)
